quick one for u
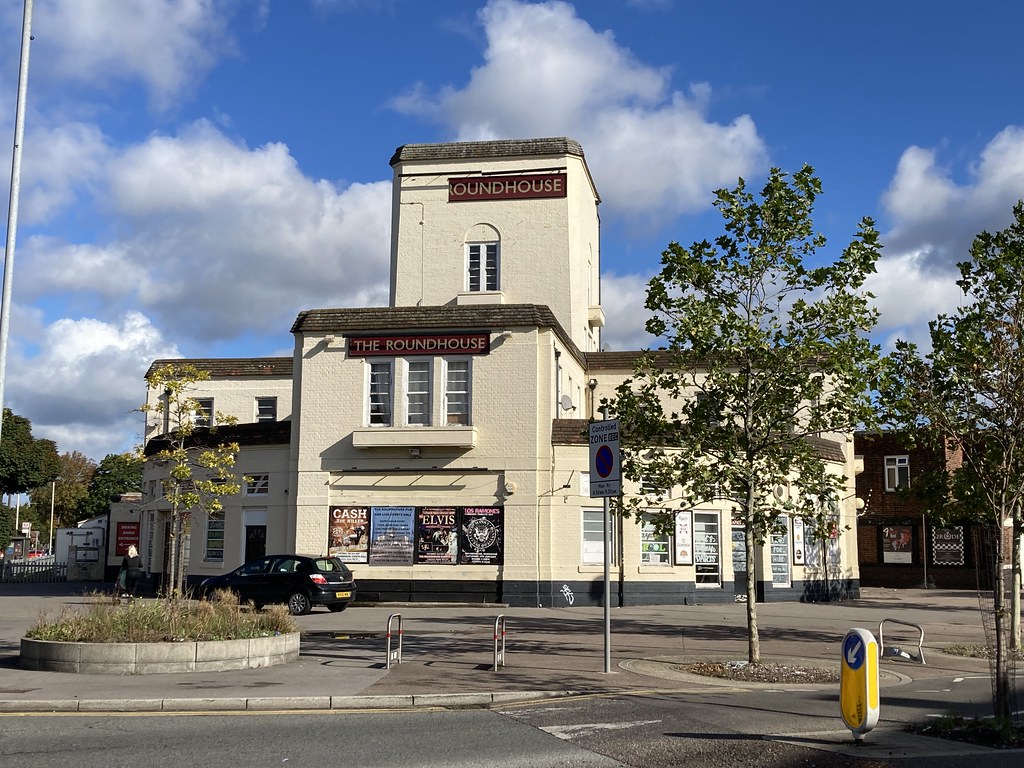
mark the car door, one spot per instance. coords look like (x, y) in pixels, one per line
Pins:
(285, 577)
(250, 581)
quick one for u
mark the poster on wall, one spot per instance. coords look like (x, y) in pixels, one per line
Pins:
(437, 535)
(798, 541)
(481, 542)
(897, 544)
(948, 546)
(778, 543)
(684, 539)
(391, 535)
(127, 534)
(348, 533)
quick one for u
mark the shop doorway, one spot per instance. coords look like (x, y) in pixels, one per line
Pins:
(255, 542)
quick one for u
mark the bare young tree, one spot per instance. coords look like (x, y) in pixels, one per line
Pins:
(199, 467)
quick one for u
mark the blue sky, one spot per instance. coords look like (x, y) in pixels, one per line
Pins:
(196, 172)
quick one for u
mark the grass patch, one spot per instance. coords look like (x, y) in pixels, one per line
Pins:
(987, 732)
(980, 651)
(107, 620)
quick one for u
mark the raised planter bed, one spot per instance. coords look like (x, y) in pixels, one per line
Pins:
(153, 658)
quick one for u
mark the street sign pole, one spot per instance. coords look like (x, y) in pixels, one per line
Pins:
(605, 481)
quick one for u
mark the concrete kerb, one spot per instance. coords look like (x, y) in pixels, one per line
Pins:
(282, 703)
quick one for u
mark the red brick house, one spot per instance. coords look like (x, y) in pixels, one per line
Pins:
(897, 545)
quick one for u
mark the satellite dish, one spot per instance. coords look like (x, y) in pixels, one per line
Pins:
(566, 403)
(780, 492)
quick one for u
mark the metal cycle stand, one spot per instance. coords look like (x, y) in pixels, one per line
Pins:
(895, 652)
(396, 654)
(499, 655)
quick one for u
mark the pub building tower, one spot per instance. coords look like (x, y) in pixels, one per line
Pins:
(438, 445)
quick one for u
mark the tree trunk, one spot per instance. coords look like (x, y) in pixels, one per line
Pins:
(171, 577)
(753, 638)
(1002, 678)
(1015, 584)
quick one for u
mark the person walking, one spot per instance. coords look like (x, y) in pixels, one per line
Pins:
(131, 565)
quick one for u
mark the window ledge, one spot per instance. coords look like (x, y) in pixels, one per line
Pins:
(660, 568)
(590, 568)
(480, 297)
(415, 437)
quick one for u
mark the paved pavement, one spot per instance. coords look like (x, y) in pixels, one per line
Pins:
(448, 657)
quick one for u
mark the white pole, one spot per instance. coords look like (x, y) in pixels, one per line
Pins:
(53, 495)
(12, 211)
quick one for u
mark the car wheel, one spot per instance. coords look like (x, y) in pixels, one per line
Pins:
(337, 608)
(299, 604)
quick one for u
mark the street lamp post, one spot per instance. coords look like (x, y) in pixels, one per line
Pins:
(53, 496)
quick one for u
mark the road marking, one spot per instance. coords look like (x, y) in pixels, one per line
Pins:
(568, 732)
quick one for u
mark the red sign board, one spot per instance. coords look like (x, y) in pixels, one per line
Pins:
(506, 187)
(476, 343)
(127, 534)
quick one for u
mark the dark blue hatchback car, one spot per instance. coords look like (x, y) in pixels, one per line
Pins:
(298, 581)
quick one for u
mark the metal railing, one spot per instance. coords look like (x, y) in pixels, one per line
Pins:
(895, 651)
(394, 654)
(499, 651)
(46, 571)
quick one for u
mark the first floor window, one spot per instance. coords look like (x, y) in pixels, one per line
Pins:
(897, 473)
(456, 393)
(482, 266)
(257, 485)
(215, 538)
(418, 393)
(266, 409)
(593, 537)
(203, 416)
(707, 549)
(380, 394)
(654, 544)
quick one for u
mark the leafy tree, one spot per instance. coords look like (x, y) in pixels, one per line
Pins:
(966, 397)
(25, 462)
(68, 490)
(7, 529)
(117, 473)
(199, 466)
(763, 354)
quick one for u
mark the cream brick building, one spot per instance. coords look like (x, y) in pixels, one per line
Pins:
(438, 445)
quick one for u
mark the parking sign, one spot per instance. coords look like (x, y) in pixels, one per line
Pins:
(605, 471)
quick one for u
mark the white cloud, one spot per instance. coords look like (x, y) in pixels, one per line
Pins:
(934, 216)
(216, 240)
(907, 296)
(58, 163)
(84, 381)
(168, 45)
(934, 221)
(546, 72)
(622, 298)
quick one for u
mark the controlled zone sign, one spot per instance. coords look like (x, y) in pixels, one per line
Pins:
(858, 681)
(605, 470)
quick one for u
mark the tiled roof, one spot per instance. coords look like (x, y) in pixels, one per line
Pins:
(626, 361)
(575, 432)
(259, 433)
(570, 431)
(465, 150)
(829, 450)
(242, 366)
(448, 318)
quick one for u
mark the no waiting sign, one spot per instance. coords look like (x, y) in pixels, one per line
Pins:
(605, 472)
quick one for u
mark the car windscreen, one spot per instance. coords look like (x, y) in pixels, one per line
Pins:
(331, 565)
